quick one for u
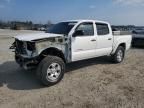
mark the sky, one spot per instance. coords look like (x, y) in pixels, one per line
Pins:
(117, 12)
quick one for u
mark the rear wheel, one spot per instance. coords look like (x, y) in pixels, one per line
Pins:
(119, 55)
(51, 70)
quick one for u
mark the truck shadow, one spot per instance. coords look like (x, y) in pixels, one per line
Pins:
(15, 78)
(86, 63)
(12, 76)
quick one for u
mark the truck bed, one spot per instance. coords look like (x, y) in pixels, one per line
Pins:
(117, 33)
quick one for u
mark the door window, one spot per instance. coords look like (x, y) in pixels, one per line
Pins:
(102, 29)
(86, 28)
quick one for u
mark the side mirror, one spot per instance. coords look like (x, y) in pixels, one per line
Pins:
(78, 33)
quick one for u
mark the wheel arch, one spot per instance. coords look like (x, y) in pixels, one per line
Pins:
(123, 44)
(54, 52)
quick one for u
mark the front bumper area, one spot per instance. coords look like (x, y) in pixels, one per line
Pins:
(26, 63)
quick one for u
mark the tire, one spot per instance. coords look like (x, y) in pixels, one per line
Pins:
(51, 70)
(119, 55)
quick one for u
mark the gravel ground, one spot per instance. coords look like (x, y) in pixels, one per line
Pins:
(94, 83)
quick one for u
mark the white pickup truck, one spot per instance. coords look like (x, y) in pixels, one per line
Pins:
(67, 42)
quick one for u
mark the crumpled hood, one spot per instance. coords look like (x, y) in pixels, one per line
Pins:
(36, 36)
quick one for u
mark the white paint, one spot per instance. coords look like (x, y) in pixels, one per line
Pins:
(84, 48)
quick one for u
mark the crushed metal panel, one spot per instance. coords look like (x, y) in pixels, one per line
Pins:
(61, 43)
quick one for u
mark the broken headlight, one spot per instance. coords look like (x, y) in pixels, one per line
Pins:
(31, 46)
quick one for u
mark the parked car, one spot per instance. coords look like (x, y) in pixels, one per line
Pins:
(138, 38)
(68, 42)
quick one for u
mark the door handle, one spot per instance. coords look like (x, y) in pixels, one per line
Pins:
(109, 38)
(93, 40)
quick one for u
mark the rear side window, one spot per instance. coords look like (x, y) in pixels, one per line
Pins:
(87, 28)
(102, 29)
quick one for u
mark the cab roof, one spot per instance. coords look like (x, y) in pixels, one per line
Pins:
(84, 20)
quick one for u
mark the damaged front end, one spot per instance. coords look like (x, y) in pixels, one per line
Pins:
(27, 53)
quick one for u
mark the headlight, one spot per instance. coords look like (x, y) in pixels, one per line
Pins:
(31, 46)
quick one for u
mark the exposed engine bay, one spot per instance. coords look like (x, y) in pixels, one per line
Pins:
(28, 54)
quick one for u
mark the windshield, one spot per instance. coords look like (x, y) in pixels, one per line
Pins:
(61, 28)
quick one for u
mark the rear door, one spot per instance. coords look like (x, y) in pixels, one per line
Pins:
(104, 39)
(84, 46)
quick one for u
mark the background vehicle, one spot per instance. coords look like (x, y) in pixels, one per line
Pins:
(67, 42)
(138, 38)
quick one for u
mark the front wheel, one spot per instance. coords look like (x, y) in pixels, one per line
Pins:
(51, 70)
(119, 55)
